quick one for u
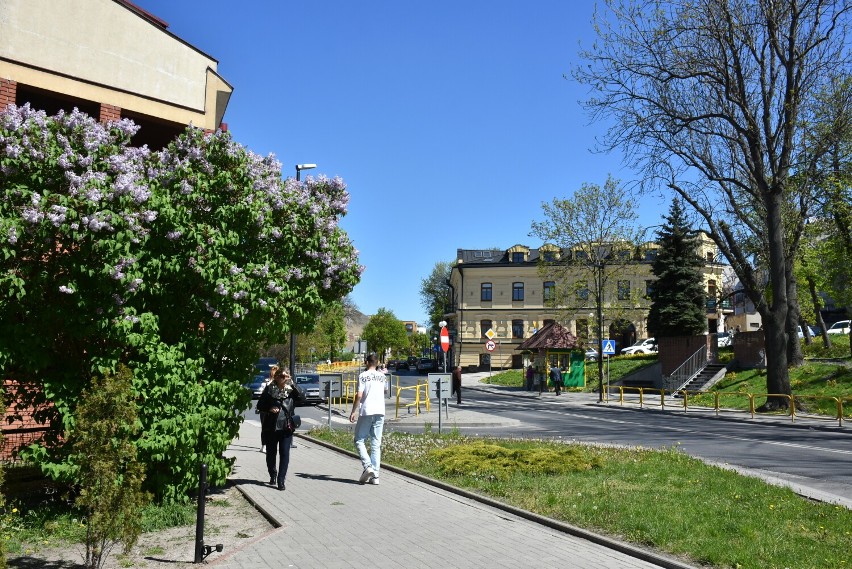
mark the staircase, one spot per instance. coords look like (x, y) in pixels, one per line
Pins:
(709, 375)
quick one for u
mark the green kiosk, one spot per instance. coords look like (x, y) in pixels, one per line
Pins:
(554, 345)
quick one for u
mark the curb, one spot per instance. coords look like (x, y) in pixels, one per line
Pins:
(598, 539)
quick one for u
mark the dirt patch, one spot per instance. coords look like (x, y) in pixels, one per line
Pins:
(229, 519)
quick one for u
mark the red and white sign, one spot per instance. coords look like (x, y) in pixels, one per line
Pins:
(490, 345)
(445, 339)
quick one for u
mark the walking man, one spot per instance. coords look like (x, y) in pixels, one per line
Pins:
(368, 409)
(556, 379)
(457, 384)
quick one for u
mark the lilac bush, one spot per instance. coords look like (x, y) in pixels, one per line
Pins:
(177, 263)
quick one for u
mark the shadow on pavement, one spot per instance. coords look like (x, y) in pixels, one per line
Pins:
(327, 478)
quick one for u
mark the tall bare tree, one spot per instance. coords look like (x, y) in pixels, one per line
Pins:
(712, 100)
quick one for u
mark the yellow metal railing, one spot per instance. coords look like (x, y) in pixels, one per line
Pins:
(421, 396)
(837, 402)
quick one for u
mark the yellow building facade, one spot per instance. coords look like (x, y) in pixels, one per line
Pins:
(510, 293)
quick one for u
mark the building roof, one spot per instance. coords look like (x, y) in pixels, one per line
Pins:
(553, 336)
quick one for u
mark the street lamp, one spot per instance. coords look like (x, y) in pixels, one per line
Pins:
(299, 168)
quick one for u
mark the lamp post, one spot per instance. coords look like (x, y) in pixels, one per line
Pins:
(599, 268)
(299, 168)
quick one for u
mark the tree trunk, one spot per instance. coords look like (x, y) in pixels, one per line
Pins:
(817, 302)
(775, 318)
(795, 357)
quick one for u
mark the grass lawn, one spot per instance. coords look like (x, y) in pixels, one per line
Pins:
(660, 499)
(619, 366)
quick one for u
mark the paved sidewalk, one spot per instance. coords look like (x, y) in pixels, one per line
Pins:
(328, 520)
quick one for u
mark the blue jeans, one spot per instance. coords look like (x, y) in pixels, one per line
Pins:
(370, 425)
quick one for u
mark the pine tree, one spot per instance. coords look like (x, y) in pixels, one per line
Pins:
(678, 296)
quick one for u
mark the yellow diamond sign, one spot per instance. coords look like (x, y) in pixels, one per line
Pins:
(490, 334)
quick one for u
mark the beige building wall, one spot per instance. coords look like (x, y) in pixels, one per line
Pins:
(469, 310)
(105, 51)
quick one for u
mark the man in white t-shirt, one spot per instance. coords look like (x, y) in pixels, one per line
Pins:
(368, 409)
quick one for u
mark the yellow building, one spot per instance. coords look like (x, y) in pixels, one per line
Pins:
(506, 292)
(110, 59)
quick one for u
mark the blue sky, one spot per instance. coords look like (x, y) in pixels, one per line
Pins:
(450, 121)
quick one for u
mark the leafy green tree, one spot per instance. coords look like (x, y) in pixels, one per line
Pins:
(384, 332)
(109, 474)
(596, 231)
(329, 335)
(711, 100)
(435, 292)
(179, 264)
(678, 296)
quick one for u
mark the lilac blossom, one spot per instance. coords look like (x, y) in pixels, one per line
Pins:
(66, 289)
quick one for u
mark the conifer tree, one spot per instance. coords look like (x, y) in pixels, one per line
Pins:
(677, 297)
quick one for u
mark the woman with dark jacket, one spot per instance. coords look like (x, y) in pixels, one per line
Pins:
(276, 406)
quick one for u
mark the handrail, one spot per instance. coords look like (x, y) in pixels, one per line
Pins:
(687, 370)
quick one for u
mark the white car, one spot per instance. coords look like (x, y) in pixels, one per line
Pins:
(646, 346)
(841, 327)
(723, 339)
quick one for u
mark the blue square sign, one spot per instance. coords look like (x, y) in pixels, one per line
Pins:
(608, 347)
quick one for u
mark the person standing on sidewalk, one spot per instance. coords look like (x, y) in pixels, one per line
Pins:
(556, 379)
(530, 377)
(368, 409)
(276, 403)
(457, 384)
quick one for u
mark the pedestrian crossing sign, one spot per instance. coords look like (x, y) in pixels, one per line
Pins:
(608, 347)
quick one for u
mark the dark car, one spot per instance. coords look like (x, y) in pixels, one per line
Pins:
(401, 364)
(309, 389)
(425, 365)
(412, 362)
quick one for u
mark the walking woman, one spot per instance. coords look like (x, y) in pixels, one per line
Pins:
(276, 431)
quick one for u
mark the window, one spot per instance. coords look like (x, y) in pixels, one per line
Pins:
(624, 255)
(623, 290)
(649, 288)
(549, 256)
(518, 257)
(517, 291)
(650, 255)
(517, 328)
(549, 291)
(484, 326)
(485, 292)
(710, 257)
(582, 290)
(581, 256)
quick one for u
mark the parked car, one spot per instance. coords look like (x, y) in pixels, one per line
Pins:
(310, 389)
(425, 365)
(724, 339)
(412, 362)
(646, 346)
(841, 327)
(592, 355)
(401, 364)
(260, 377)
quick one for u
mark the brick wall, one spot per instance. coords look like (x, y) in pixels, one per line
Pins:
(8, 92)
(749, 350)
(110, 113)
(674, 351)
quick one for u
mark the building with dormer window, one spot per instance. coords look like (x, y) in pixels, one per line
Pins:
(504, 291)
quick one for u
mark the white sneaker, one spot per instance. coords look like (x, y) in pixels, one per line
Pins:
(367, 475)
(374, 481)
